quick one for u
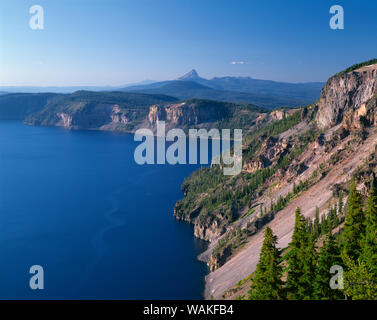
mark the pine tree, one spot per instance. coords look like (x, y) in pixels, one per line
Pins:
(267, 283)
(310, 265)
(340, 203)
(369, 254)
(336, 216)
(301, 261)
(309, 226)
(323, 224)
(359, 283)
(332, 217)
(327, 226)
(329, 256)
(354, 226)
(316, 223)
(301, 186)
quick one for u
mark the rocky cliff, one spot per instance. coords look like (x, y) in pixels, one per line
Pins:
(346, 93)
(196, 113)
(298, 161)
(127, 112)
(188, 114)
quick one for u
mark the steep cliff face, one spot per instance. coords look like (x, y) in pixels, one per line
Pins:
(204, 114)
(344, 93)
(206, 227)
(183, 113)
(188, 114)
(364, 116)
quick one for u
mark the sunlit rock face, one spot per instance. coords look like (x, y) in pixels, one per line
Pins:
(346, 92)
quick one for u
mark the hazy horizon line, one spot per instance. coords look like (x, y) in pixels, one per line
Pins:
(131, 83)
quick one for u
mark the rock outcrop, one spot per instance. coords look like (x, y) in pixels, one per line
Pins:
(364, 116)
(117, 116)
(207, 228)
(187, 114)
(66, 119)
(271, 150)
(346, 93)
(259, 163)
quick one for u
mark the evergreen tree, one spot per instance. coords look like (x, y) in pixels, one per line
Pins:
(309, 266)
(369, 255)
(340, 203)
(301, 261)
(327, 224)
(323, 225)
(309, 226)
(354, 226)
(336, 216)
(267, 283)
(316, 223)
(301, 186)
(332, 217)
(328, 257)
(359, 283)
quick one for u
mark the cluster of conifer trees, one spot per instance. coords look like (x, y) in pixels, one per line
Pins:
(304, 271)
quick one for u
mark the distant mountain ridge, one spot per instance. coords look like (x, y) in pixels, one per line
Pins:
(265, 93)
(183, 90)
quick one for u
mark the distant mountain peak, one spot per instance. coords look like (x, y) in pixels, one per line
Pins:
(192, 75)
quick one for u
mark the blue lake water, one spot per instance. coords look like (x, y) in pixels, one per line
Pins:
(101, 226)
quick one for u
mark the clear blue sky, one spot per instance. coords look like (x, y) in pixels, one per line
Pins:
(114, 42)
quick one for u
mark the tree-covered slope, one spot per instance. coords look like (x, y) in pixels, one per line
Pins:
(16, 106)
(126, 111)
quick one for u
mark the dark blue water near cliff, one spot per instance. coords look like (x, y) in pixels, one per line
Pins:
(101, 226)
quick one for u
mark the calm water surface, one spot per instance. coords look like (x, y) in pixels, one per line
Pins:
(102, 227)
